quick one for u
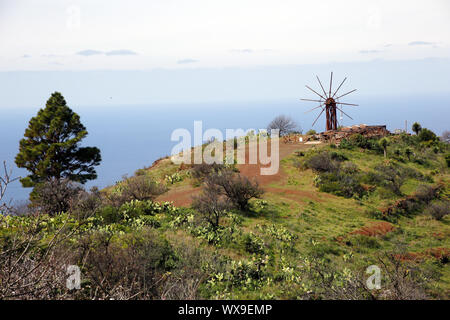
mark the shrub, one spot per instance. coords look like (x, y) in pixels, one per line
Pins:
(359, 141)
(310, 132)
(173, 178)
(201, 171)
(322, 162)
(54, 196)
(212, 205)
(135, 188)
(390, 176)
(427, 135)
(238, 189)
(253, 243)
(131, 266)
(438, 210)
(86, 204)
(426, 193)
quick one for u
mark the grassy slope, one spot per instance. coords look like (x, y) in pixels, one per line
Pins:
(324, 222)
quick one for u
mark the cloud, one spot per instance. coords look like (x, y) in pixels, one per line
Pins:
(89, 52)
(421, 43)
(51, 55)
(369, 51)
(122, 52)
(184, 61)
(242, 51)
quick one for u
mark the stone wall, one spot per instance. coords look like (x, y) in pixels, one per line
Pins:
(336, 136)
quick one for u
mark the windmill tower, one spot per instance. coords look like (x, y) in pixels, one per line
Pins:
(329, 103)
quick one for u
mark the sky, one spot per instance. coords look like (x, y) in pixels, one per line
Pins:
(77, 35)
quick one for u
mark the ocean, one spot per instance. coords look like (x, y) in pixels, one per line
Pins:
(132, 137)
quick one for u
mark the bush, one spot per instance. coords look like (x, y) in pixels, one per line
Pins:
(131, 266)
(55, 196)
(86, 204)
(427, 135)
(135, 188)
(438, 210)
(425, 193)
(310, 132)
(322, 162)
(359, 141)
(212, 205)
(253, 244)
(238, 189)
(389, 176)
(201, 171)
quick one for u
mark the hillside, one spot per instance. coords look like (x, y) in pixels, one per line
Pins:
(330, 212)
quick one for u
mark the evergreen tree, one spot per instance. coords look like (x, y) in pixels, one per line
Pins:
(50, 147)
(416, 127)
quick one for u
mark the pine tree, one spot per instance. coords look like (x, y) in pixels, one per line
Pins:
(416, 127)
(50, 147)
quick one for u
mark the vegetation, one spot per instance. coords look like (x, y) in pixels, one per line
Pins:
(284, 124)
(50, 148)
(332, 212)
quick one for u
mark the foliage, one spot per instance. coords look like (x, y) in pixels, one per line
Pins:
(50, 148)
(135, 188)
(238, 189)
(427, 135)
(173, 178)
(201, 171)
(55, 196)
(438, 210)
(212, 205)
(359, 141)
(416, 127)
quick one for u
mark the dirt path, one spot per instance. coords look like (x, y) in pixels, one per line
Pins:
(182, 196)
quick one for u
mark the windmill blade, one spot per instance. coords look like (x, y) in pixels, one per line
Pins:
(314, 108)
(324, 93)
(344, 113)
(316, 93)
(331, 83)
(346, 93)
(318, 117)
(348, 104)
(311, 100)
(339, 87)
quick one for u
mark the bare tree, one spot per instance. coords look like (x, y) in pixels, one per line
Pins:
(28, 271)
(285, 124)
(446, 136)
(212, 205)
(238, 189)
(5, 180)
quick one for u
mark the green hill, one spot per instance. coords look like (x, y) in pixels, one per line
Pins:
(330, 213)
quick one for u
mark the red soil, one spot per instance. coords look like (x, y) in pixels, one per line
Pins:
(183, 196)
(437, 253)
(375, 229)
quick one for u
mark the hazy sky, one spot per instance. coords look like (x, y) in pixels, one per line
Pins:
(135, 34)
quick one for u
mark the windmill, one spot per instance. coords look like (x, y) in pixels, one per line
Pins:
(329, 103)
